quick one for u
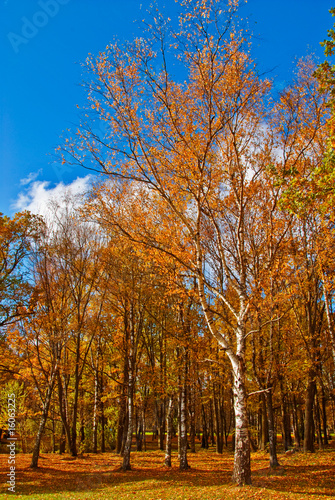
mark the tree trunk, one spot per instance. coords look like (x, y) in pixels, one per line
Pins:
(324, 415)
(127, 448)
(263, 423)
(309, 420)
(160, 418)
(95, 413)
(272, 431)
(242, 470)
(218, 421)
(122, 426)
(139, 432)
(183, 464)
(192, 420)
(296, 423)
(211, 423)
(63, 409)
(62, 441)
(103, 439)
(318, 423)
(144, 423)
(286, 421)
(73, 447)
(204, 441)
(168, 444)
(46, 405)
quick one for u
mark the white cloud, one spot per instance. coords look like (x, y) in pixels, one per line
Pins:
(30, 177)
(37, 196)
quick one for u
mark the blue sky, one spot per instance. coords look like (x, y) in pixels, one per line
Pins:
(42, 44)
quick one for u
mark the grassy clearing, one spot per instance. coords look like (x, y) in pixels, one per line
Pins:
(98, 477)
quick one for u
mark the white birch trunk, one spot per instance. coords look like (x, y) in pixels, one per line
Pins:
(242, 470)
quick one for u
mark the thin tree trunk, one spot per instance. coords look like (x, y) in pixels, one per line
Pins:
(192, 421)
(219, 436)
(46, 406)
(103, 438)
(296, 423)
(122, 419)
(95, 413)
(144, 424)
(183, 464)
(127, 448)
(286, 418)
(53, 434)
(318, 423)
(168, 444)
(264, 431)
(204, 441)
(309, 420)
(272, 431)
(73, 447)
(63, 409)
(62, 441)
(324, 415)
(211, 423)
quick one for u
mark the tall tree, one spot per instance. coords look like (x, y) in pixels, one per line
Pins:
(190, 157)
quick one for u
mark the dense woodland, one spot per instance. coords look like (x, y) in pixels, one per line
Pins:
(191, 292)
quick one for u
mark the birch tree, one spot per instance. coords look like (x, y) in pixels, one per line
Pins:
(188, 155)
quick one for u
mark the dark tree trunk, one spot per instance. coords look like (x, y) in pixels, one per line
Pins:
(144, 424)
(122, 418)
(160, 418)
(309, 420)
(46, 406)
(183, 464)
(286, 424)
(204, 441)
(62, 441)
(95, 413)
(218, 421)
(324, 416)
(318, 423)
(130, 395)
(296, 423)
(53, 436)
(63, 409)
(103, 423)
(272, 431)
(139, 433)
(211, 423)
(192, 420)
(226, 424)
(73, 446)
(263, 423)
(127, 447)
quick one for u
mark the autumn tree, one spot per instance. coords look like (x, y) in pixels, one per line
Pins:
(43, 336)
(195, 150)
(16, 241)
(188, 157)
(300, 119)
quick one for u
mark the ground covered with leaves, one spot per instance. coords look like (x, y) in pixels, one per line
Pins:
(310, 476)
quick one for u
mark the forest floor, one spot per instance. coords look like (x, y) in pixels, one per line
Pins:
(88, 477)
